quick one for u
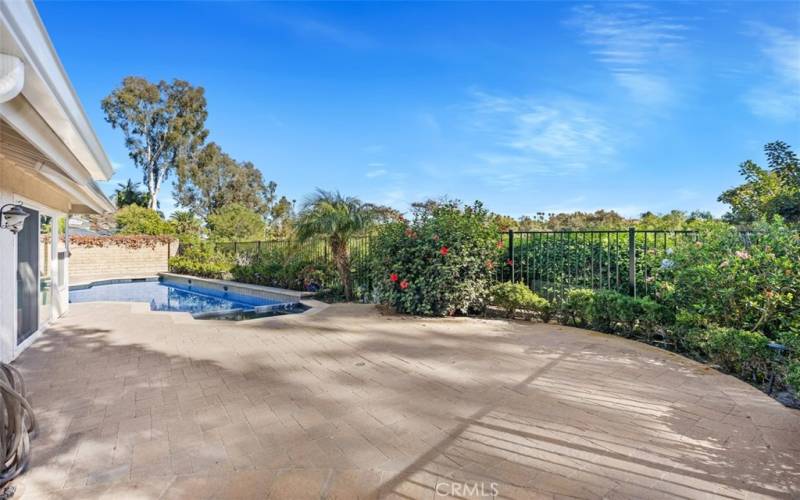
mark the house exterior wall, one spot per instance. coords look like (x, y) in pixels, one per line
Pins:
(95, 263)
(8, 290)
(16, 185)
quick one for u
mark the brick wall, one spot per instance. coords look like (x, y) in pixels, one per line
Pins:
(93, 263)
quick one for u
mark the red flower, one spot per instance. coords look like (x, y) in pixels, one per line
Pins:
(510, 262)
(444, 250)
(500, 244)
(393, 277)
(404, 284)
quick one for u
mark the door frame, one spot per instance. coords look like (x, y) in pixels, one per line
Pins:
(54, 214)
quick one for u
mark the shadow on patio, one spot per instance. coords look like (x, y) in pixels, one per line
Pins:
(351, 404)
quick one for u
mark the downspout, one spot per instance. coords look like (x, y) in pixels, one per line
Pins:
(12, 77)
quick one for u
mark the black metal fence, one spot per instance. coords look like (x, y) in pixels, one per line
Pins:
(314, 252)
(622, 260)
(547, 261)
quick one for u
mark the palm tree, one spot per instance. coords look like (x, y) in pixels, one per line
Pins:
(186, 223)
(337, 219)
(129, 194)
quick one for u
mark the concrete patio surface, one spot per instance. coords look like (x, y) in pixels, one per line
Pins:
(349, 403)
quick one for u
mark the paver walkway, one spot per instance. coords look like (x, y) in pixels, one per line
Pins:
(348, 403)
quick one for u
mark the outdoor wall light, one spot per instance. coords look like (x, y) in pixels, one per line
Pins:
(13, 218)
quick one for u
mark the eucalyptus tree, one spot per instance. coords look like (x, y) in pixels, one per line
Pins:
(163, 124)
(213, 180)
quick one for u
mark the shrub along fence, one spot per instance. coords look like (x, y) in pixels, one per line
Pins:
(314, 253)
(548, 262)
(622, 260)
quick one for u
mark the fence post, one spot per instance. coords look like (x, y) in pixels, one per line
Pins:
(632, 260)
(511, 252)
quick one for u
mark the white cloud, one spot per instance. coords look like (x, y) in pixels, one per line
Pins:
(377, 173)
(778, 97)
(536, 136)
(635, 42)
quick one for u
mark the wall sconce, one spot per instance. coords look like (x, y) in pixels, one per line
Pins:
(13, 218)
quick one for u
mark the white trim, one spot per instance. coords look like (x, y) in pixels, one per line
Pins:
(21, 116)
(48, 87)
(53, 214)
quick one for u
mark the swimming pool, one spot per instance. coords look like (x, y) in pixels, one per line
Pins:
(197, 300)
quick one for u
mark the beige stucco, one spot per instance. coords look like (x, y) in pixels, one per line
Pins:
(95, 263)
(28, 185)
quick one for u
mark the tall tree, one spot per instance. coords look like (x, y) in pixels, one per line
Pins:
(337, 219)
(213, 180)
(163, 123)
(767, 191)
(282, 217)
(128, 193)
(236, 222)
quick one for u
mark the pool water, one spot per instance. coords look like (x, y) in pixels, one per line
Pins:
(167, 296)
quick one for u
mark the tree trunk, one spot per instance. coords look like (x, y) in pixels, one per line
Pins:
(341, 258)
(152, 190)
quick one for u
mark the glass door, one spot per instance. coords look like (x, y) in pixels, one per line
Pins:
(28, 277)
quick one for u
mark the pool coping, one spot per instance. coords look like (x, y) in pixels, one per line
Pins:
(261, 290)
(303, 298)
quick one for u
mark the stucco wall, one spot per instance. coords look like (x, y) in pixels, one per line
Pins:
(93, 263)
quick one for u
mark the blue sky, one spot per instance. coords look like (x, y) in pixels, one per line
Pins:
(526, 106)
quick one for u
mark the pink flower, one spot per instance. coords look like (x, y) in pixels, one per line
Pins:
(510, 262)
(489, 264)
(444, 250)
(404, 284)
(393, 277)
(742, 254)
(500, 244)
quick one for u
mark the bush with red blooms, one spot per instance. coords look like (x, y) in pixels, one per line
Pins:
(438, 263)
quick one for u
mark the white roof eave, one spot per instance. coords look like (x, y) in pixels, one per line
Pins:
(47, 87)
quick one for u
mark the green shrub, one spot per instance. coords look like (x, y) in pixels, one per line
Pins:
(739, 352)
(517, 296)
(236, 222)
(608, 308)
(575, 307)
(793, 376)
(201, 260)
(438, 264)
(614, 312)
(285, 267)
(133, 219)
(750, 282)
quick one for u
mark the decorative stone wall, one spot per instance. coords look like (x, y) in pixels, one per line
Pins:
(93, 263)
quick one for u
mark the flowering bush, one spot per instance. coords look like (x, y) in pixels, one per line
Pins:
(750, 282)
(731, 293)
(437, 264)
(517, 296)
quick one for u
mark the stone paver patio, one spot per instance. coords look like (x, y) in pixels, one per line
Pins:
(348, 403)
